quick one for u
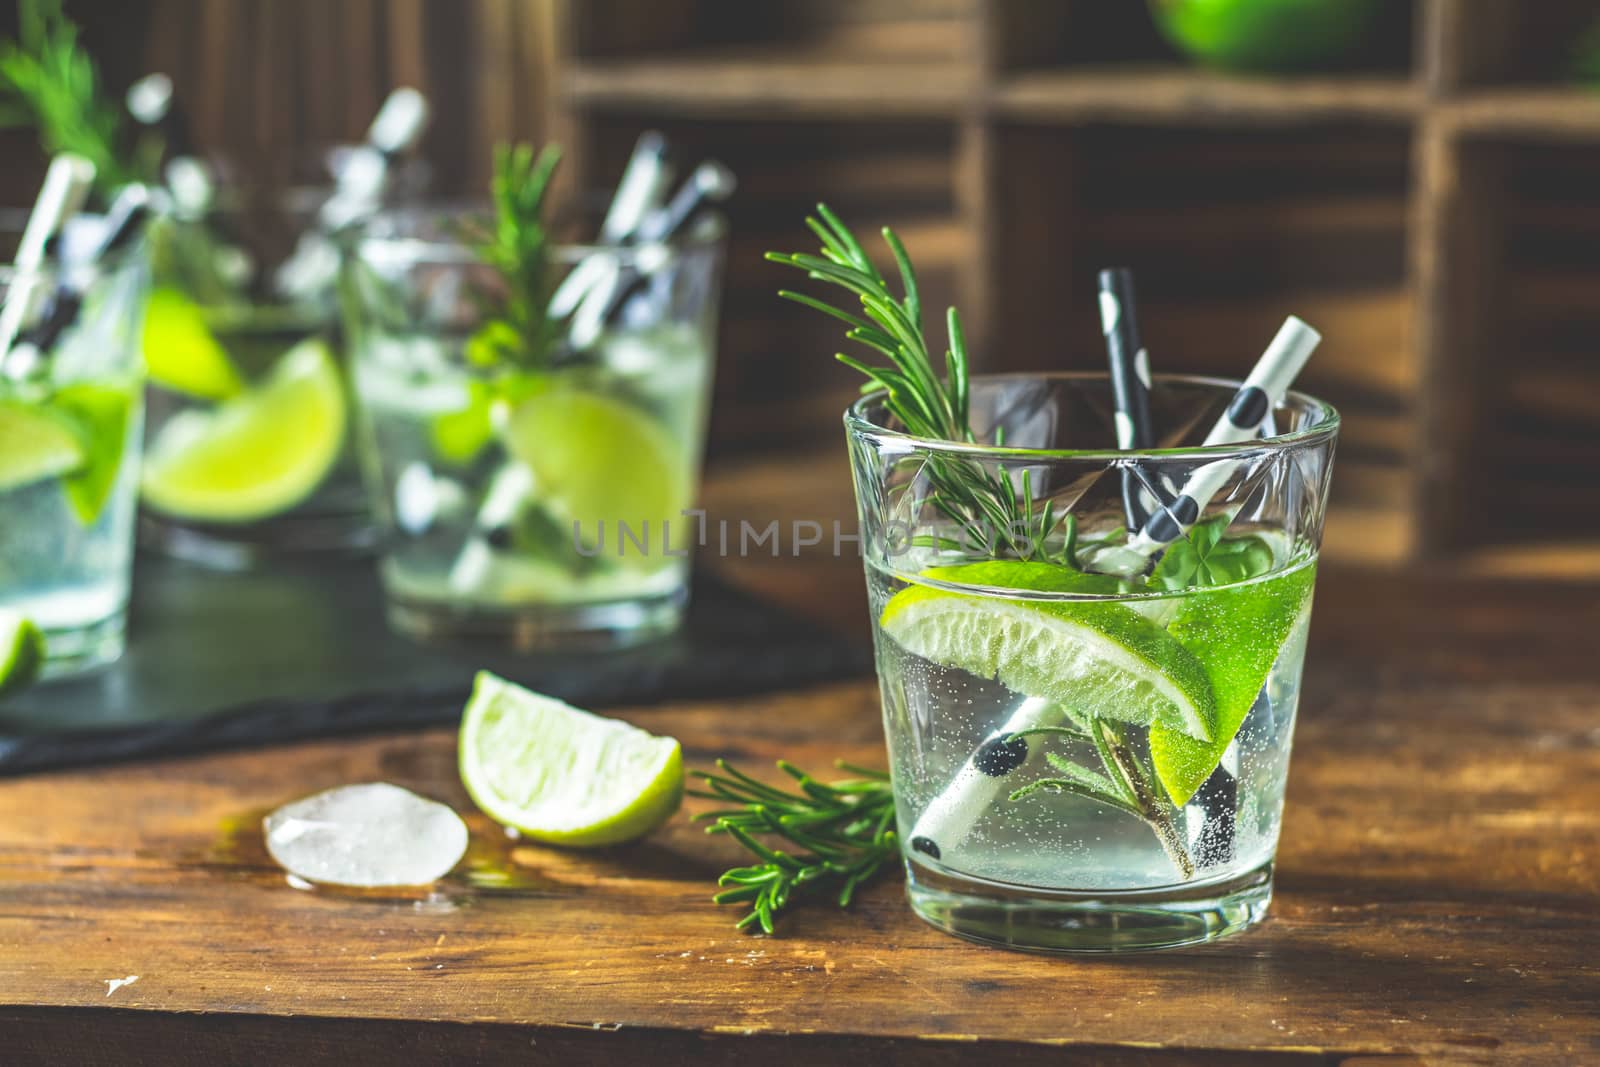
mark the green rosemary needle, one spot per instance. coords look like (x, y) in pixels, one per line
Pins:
(986, 504)
(49, 81)
(520, 332)
(844, 832)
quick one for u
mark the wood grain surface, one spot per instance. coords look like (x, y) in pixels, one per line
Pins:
(1438, 893)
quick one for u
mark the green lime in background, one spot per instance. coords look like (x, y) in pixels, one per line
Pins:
(1267, 35)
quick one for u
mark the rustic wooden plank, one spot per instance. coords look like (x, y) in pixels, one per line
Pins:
(1531, 113)
(1183, 94)
(770, 84)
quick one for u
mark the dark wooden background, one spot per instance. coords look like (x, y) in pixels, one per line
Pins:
(1433, 209)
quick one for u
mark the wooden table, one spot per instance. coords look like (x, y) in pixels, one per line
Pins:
(1438, 892)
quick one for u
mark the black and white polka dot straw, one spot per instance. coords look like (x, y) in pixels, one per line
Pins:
(1262, 391)
(1130, 379)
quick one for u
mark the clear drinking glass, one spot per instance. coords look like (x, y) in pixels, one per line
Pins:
(71, 413)
(248, 453)
(1088, 732)
(531, 497)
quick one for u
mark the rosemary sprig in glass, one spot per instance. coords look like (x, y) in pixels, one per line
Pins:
(520, 332)
(988, 507)
(844, 832)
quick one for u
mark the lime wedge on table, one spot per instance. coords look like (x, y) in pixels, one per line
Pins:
(598, 459)
(1096, 657)
(21, 652)
(180, 351)
(34, 445)
(260, 453)
(562, 775)
(99, 415)
(1236, 632)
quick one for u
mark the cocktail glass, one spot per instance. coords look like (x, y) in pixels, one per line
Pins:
(1089, 731)
(71, 413)
(249, 449)
(541, 503)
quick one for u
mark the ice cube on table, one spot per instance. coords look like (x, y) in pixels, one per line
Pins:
(368, 835)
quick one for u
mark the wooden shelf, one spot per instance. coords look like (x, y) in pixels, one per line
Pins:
(771, 86)
(1535, 113)
(1165, 94)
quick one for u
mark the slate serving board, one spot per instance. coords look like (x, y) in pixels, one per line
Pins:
(219, 660)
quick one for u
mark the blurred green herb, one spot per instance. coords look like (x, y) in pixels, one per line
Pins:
(845, 831)
(1586, 56)
(48, 81)
(991, 508)
(1206, 558)
(519, 331)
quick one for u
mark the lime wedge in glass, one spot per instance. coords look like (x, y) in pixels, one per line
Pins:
(598, 459)
(34, 445)
(1237, 633)
(98, 414)
(21, 652)
(1098, 658)
(460, 436)
(180, 351)
(258, 454)
(564, 776)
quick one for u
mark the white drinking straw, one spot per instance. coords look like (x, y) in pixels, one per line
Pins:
(1250, 407)
(643, 183)
(509, 490)
(360, 181)
(117, 229)
(400, 122)
(710, 182)
(948, 819)
(66, 187)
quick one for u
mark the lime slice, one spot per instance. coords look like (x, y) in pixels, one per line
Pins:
(99, 414)
(1096, 657)
(460, 436)
(34, 445)
(1236, 633)
(598, 459)
(562, 775)
(180, 351)
(259, 454)
(21, 652)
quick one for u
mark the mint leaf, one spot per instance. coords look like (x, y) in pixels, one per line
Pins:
(1206, 558)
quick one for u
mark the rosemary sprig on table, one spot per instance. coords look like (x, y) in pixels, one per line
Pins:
(844, 829)
(520, 331)
(49, 81)
(988, 507)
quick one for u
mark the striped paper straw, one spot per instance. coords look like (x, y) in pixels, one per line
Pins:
(949, 818)
(66, 187)
(710, 182)
(644, 181)
(121, 225)
(1130, 379)
(1262, 391)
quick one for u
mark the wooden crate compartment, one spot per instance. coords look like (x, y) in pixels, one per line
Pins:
(834, 57)
(1537, 458)
(1514, 42)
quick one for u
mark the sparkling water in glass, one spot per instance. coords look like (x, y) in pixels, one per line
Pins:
(70, 424)
(534, 504)
(1089, 747)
